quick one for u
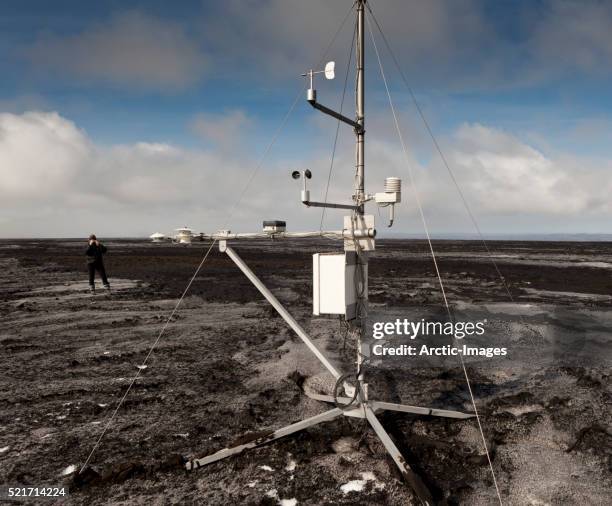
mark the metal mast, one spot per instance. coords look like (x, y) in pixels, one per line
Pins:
(361, 296)
(360, 132)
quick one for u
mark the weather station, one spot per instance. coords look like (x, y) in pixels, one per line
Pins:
(340, 286)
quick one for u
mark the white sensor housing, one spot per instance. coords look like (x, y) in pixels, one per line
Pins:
(392, 193)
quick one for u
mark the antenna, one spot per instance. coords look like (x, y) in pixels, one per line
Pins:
(329, 70)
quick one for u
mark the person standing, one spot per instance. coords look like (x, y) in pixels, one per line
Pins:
(95, 262)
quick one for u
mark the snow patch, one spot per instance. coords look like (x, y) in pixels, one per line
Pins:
(4, 449)
(358, 485)
(266, 468)
(142, 367)
(69, 470)
(537, 502)
(353, 486)
(282, 502)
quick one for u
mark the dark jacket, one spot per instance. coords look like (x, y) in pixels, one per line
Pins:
(94, 253)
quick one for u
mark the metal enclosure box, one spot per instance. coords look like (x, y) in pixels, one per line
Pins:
(335, 282)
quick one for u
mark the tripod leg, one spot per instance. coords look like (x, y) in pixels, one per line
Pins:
(326, 398)
(420, 411)
(261, 439)
(411, 477)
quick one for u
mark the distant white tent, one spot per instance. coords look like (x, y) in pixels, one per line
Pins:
(157, 237)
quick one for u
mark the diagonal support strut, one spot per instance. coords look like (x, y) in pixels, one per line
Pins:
(279, 307)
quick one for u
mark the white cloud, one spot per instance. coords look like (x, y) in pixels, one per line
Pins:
(503, 175)
(56, 181)
(133, 48)
(41, 154)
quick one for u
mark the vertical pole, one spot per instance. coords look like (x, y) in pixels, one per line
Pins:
(360, 184)
(359, 98)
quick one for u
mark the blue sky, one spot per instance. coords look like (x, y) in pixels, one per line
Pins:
(517, 92)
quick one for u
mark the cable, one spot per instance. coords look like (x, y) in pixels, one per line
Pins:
(356, 389)
(281, 126)
(424, 221)
(448, 168)
(107, 425)
(360, 315)
(331, 166)
(230, 215)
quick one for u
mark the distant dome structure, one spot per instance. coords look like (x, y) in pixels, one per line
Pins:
(157, 237)
(183, 235)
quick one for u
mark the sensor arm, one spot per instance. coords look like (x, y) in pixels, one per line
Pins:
(308, 203)
(306, 196)
(224, 235)
(312, 100)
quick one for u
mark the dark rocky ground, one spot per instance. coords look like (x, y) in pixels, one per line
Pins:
(227, 365)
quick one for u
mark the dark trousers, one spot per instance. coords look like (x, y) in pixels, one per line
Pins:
(98, 265)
